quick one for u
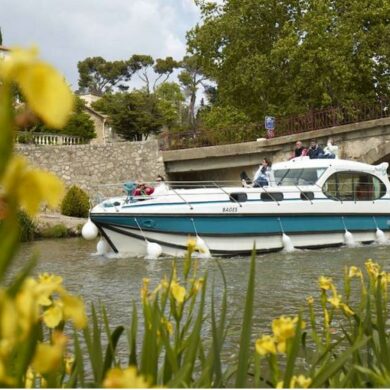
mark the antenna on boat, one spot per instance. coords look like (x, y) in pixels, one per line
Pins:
(200, 243)
(153, 250)
(380, 235)
(348, 236)
(286, 240)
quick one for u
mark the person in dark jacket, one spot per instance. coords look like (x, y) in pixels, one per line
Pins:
(299, 151)
(315, 151)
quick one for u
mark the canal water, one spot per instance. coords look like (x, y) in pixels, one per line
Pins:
(283, 280)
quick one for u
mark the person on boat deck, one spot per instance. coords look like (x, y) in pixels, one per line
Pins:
(299, 151)
(331, 150)
(315, 151)
(262, 177)
(161, 186)
(143, 189)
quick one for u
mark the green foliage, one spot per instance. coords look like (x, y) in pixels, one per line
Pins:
(27, 227)
(75, 203)
(56, 231)
(133, 115)
(98, 75)
(280, 58)
(79, 124)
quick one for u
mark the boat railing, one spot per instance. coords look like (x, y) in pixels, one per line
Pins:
(182, 190)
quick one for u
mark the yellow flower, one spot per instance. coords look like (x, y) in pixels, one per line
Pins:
(68, 362)
(30, 377)
(31, 187)
(117, 378)
(300, 381)
(178, 292)
(354, 272)
(325, 283)
(284, 327)
(197, 285)
(45, 89)
(47, 358)
(346, 309)
(191, 245)
(372, 268)
(74, 310)
(335, 300)
(53, 315)
(310, 300)
(265, 345)
(144, 288)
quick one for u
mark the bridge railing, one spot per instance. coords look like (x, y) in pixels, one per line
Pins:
(23, 137)
(312, 120)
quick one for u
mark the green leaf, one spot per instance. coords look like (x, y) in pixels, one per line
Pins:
(111, 347)
(293, 353)
(244, 351)
(321, 378)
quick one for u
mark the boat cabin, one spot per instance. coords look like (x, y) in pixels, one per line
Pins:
(340, 180)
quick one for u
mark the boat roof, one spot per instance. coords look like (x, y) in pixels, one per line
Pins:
(306, 162)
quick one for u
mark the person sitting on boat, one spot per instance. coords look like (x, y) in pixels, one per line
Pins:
(315, 151)
(263, 175)
(299, 151)
(160, 187)
(143, 189)
(331, 150)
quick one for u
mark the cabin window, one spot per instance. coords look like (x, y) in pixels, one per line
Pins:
(238, 197)
(307, 195)
(296, 177)
(271, 196)
(356, 186)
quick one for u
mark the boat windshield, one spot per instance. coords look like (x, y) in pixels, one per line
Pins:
(296, 177)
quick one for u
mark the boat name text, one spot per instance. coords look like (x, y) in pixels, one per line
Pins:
(229, 209)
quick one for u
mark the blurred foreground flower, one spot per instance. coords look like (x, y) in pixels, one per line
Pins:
(45, 89)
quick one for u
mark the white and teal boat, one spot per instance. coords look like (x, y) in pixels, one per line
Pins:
(308, 204)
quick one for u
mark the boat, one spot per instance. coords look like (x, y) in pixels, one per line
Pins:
(307, 204)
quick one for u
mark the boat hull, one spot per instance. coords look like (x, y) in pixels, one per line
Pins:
(236, 235)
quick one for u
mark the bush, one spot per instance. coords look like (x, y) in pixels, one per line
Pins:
(56, 231)
(75, 203)
(27, 227)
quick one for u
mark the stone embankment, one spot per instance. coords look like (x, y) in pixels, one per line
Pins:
(50, 224)
(98, 169)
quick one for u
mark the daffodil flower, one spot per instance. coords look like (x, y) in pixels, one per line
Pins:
(178, 292)
(266, 345)
(117, 378)
(45, 89)
(325, 283)
(31, 187)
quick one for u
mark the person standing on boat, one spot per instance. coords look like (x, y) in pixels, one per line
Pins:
(263, 175)
(315, 151)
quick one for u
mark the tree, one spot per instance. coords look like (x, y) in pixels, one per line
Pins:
(290, 56)
(133, 115)
(79, 124)
(1, 38)
(98, 76)
(171, 104)
(191, 77)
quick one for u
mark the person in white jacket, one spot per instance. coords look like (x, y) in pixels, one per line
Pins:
(331, 150)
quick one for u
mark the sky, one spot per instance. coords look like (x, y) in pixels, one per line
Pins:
(68, 31)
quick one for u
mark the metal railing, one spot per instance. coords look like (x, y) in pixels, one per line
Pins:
(312, 120)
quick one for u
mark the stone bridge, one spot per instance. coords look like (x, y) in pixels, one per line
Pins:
(364, 141)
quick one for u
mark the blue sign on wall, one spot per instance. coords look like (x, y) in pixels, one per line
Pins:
(269, 122)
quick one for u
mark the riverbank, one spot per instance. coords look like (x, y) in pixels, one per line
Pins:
(56, 225)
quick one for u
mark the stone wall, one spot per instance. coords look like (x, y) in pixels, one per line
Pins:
(95, 167)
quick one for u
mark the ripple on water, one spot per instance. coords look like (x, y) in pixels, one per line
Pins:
(283, 280)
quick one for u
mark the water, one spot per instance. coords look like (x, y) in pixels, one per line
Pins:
(283, 280)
